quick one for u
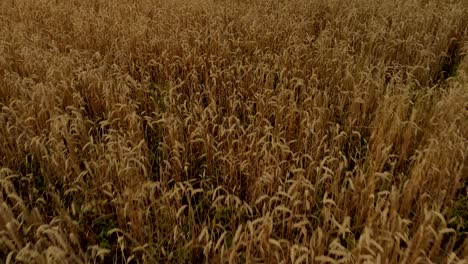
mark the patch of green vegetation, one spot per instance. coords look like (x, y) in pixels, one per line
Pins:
(459, 214)
(223, 215)
(102, 226)
(158, 93)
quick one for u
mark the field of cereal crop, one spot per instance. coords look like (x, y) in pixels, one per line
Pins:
(233, 131)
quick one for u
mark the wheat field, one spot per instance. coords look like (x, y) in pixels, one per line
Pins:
(234, 131)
